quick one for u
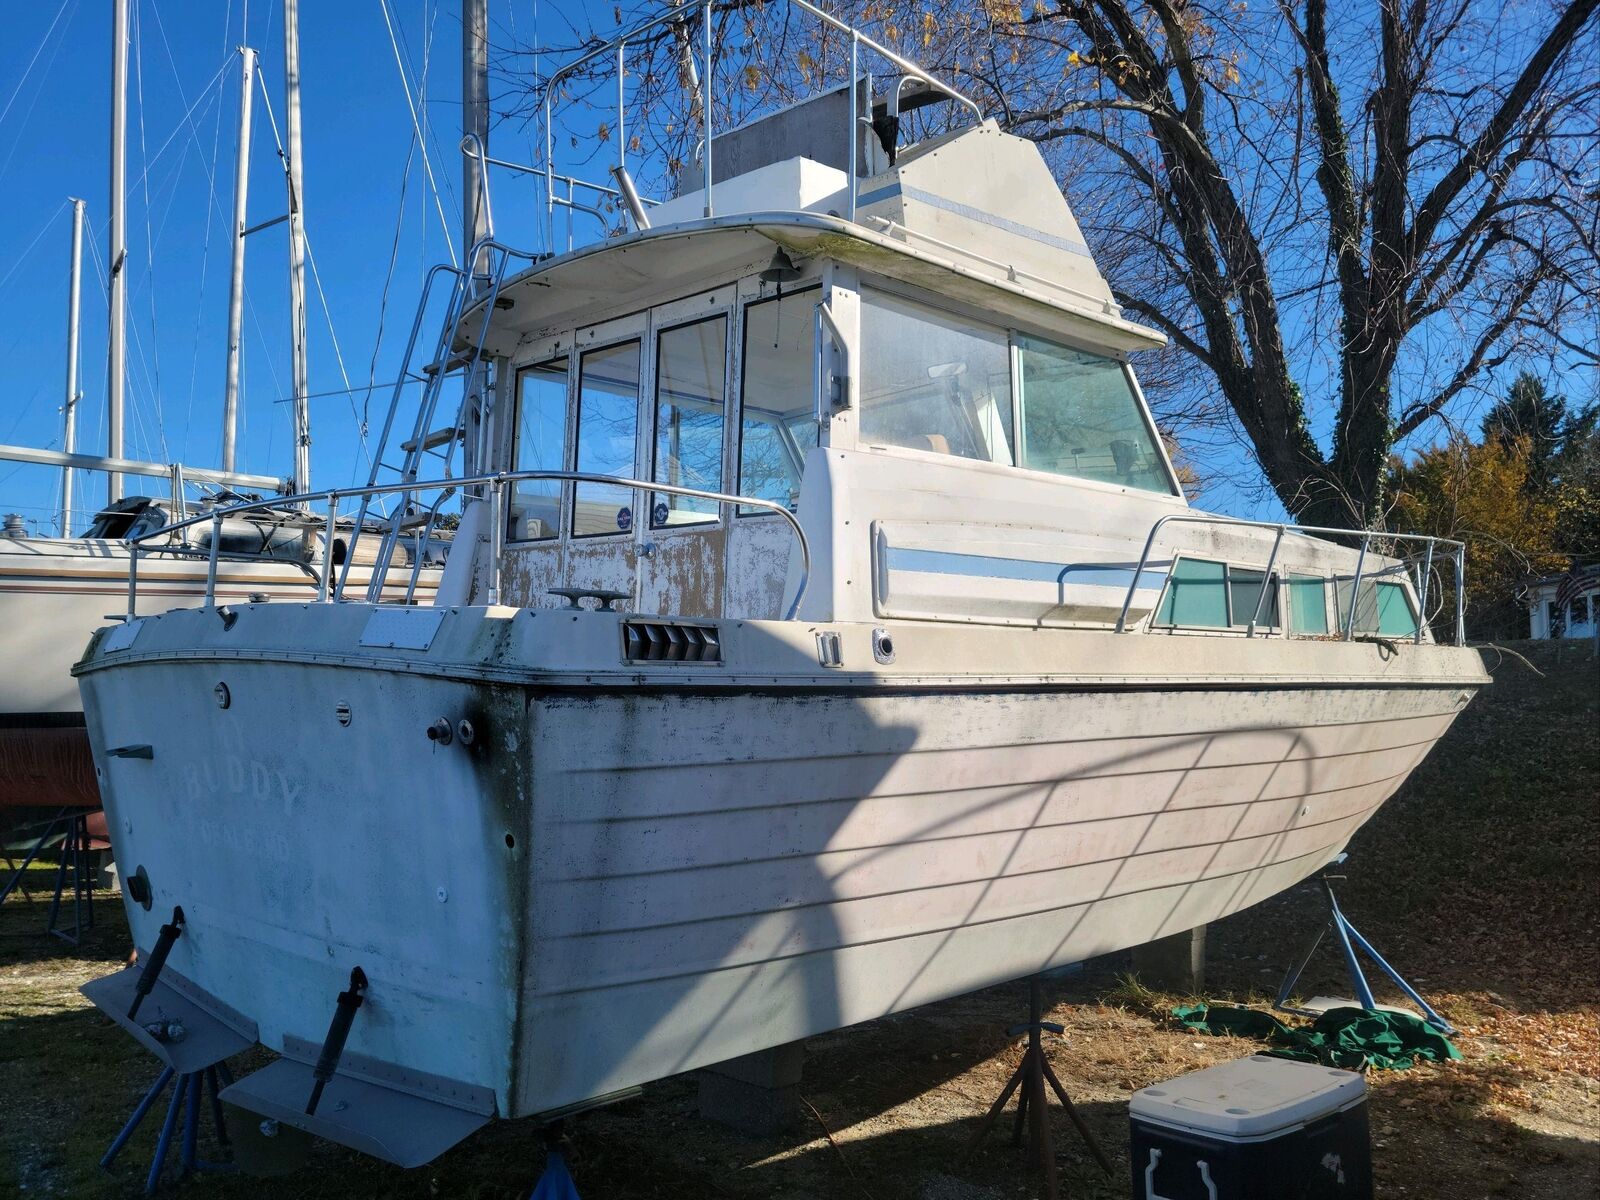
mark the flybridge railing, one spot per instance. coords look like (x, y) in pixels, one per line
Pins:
(1457, 556)
(331, 590)
(682, 17)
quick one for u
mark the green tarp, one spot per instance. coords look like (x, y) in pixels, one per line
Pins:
(1353, 1038)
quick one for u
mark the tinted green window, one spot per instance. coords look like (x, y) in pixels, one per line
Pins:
(1244, 595)
(1382, 608)
(1197, 594)
(1394, 611)
(1308, 605)
(1080, 417)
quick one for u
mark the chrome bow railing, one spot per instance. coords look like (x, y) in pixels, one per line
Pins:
(1458, 558)
(330, 589)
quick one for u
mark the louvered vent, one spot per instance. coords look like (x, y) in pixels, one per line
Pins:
(669, 641)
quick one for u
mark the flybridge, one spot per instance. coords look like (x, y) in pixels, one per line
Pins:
(845, 110)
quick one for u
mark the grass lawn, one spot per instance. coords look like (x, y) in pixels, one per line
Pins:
(1480, 880)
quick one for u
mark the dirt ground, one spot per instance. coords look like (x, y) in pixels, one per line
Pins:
(1481, 880)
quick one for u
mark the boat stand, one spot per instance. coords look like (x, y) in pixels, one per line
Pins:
(75, 859)
(1033, 1111)
(188, 1098)
(75, 851)
(1349, 939)
(555, 1182)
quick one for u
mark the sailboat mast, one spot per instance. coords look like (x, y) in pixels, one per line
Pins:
(69, 410)
(241, 192)
(297, 247)
(474, 217)
(116, 349)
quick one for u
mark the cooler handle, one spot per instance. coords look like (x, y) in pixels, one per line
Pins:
(1150, 1177)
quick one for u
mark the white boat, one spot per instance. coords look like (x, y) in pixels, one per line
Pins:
(990, 699)
(56, 591)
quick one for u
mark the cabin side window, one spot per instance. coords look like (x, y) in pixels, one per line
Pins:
(930, 381)
(1383, 608)
(691, 363)
(608, 426)
(1308, 605)
(534, 512)
(777, 403)
(1080, 417)
(1214, 595)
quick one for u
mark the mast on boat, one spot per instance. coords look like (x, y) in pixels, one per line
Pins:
(115, 347)
(474, 215)
(69, 410)
(241, 191)
(297, 247)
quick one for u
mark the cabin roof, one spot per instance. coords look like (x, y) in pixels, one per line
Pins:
(634, 270)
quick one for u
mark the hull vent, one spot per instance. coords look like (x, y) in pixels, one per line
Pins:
(670, 641)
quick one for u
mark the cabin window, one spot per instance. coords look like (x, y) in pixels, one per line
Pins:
(1308, 605)
(690, 394)
(1244, 594)
(1197, 594)
(778, 422)
(1081, 417)
(930, 381)
(1384, 608)
(608, 425)
(535, 504)
(1214, 595)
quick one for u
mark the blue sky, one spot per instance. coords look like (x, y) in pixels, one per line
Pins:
(368, 205)
(362, 203)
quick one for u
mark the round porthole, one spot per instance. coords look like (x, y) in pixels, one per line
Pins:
(223, 695)
(341, 714)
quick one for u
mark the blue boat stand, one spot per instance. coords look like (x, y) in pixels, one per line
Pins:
(187, 1099)
(74, 857)
(556, 1181)
(1350, 939)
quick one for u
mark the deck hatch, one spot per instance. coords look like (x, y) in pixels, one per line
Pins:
(670, 641)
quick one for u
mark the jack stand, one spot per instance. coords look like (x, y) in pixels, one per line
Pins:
(1032, 1104)
(556, 1181)
(75, 853)
(1349, 938)
(187, 1099)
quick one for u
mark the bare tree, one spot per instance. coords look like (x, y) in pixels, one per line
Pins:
(1348, 222)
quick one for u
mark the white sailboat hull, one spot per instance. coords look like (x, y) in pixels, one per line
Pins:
(633, 872)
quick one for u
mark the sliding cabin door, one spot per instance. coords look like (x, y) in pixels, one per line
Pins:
(682, 540)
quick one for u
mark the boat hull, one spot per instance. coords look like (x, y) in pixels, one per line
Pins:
(623, 876)
(54, 593)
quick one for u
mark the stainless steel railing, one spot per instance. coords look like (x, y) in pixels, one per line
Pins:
(1283, 529)
(330, 590)
(682, 15)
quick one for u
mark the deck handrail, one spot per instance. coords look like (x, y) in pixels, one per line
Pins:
(330, 591)
(1283, 528)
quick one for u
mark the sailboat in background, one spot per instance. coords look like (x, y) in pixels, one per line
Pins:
(54, 591)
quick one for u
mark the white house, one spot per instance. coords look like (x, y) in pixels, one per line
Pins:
(1564, 605)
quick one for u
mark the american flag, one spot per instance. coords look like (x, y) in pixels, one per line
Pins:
(1580, 581)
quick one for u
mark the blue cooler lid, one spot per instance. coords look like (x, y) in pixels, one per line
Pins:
(1250, 1098)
